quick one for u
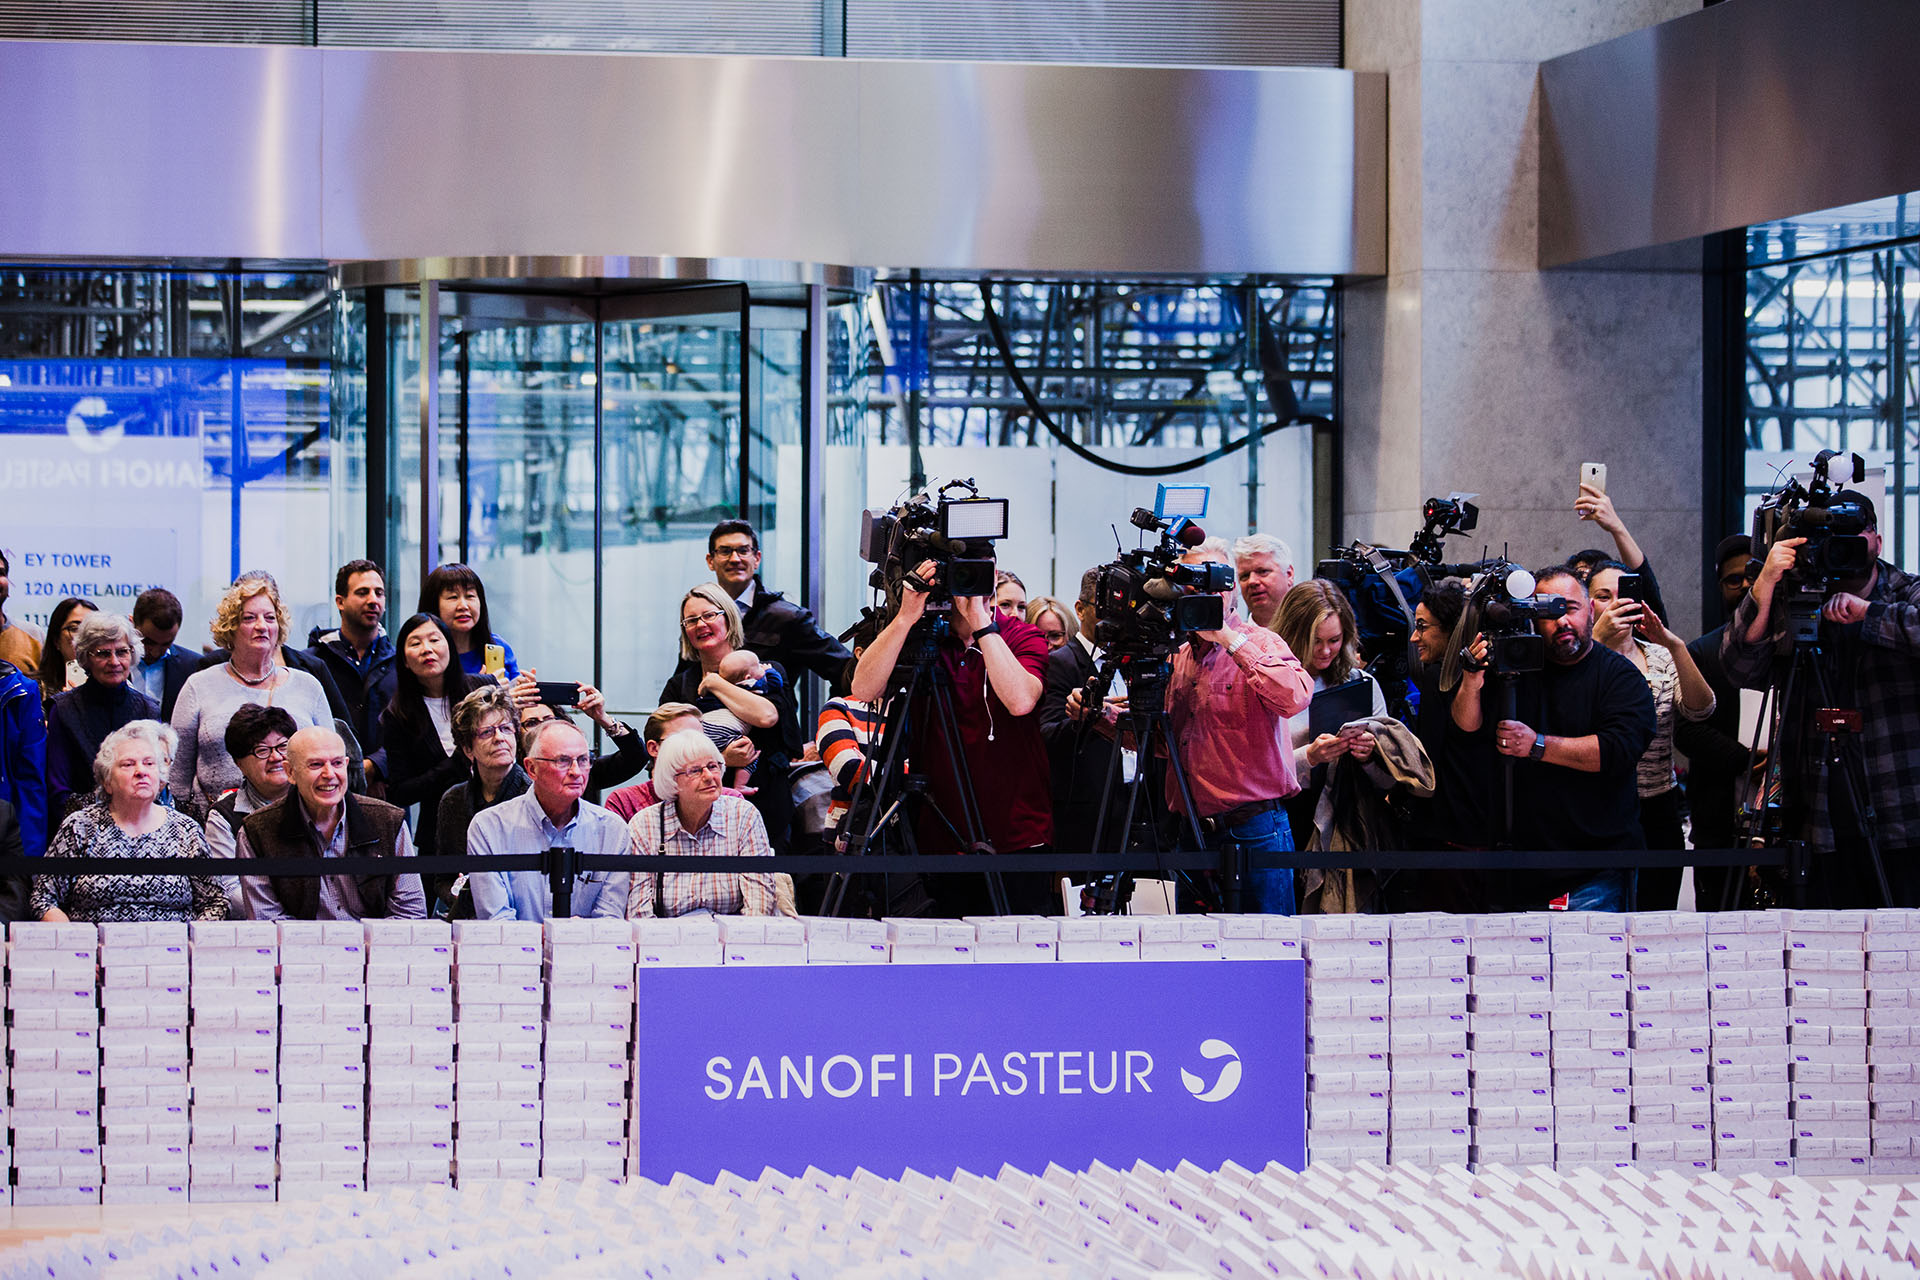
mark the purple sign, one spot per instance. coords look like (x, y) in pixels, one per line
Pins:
(937, 1067)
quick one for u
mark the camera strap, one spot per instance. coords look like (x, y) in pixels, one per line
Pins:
(1378, 563)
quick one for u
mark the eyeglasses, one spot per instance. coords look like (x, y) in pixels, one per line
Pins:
(736, 552)
(269, 750)
(1741, 578)
(711, 767)
(1421, 625)
(502, 729)
(711, 615)
(566, 764)
(123, 653)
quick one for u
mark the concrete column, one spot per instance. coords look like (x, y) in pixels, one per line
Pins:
(1468, 368)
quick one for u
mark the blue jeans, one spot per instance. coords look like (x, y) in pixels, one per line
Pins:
(1605, 892)
(1266, 892)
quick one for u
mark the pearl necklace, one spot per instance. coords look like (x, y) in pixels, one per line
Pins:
(273, 670)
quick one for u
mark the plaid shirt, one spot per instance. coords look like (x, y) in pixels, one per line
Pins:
(1882, 668)
(733, 828)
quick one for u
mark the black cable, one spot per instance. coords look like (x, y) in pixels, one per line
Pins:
(1074, 447)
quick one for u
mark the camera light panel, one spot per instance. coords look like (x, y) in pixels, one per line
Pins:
(1177, 500)
(974, 518)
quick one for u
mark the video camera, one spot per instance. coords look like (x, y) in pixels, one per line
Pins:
(1147, 602)
(955, 533)
(1834, 526)
(1503, 599)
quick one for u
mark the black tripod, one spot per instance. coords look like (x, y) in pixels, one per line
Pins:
(1783, 708)
(878, 818)
(1146, 718)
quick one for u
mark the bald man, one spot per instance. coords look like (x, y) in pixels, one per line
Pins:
(320, 817)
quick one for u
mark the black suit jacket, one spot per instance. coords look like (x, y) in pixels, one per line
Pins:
(13, 889)
(1080, 757)
(179, 663)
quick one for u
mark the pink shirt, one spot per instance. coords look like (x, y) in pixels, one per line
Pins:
(630, 800)
(1226, 711)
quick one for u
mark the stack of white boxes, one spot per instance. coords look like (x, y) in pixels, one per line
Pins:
(833, 940)
(323, 1046)
(1672, 1039)
(763, 940)
(410, 1071)
(689, 941)
(53, 995)
(6, 1121)
(1827, 1042)
(1592, 1079)
(1189, 937)
(588, 1059)
(235, 1071)
(143, 1062)
(1348, 1075)
(1005, 940)
(498, 1022)
(1427, 1048)
(916, 941)
(1893, 1040)
(1747, 995)
(1255, 937)
(1510, 1048)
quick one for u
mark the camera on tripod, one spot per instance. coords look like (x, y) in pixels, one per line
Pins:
(1833, 522)
(955, 533)
(1504, 600)
(1147, 602)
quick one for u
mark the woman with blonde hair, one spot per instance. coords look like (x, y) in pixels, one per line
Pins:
(1318, 624)
(1055, 620)
(711, 631)
(131, 768)
(249, 623)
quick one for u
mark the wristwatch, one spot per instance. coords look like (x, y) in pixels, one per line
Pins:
(1539, 749)
(991, 629)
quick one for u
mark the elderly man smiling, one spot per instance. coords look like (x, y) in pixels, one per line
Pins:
(321, 818)
(550, 815)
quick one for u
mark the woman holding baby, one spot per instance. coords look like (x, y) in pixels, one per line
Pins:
(739, 698)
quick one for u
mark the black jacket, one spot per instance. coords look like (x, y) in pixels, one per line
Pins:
(1716, 760)
(13, 889)
(419, 772)
(179, 663)
(781, 631)
(366, 695)
(1080, 758)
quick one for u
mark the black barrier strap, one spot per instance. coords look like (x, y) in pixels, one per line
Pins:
(566, 862)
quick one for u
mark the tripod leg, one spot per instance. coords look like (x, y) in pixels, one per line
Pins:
(975, 832)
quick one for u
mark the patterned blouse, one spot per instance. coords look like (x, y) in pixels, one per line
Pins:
(1663, 679)
(91, 832)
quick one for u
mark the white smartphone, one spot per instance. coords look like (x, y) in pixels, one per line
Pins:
(1595, 474)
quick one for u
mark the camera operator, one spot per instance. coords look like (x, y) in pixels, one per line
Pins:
(1869, 630)
(1717, 760)
(1230, 693)
(1466, 768)
(1582, 724)
(996, 665)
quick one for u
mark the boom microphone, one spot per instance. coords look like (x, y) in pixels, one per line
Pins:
(1190, 535)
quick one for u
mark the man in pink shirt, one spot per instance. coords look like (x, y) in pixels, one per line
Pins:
(1230, 693)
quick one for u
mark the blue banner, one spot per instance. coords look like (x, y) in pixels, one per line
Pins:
(939, 1067)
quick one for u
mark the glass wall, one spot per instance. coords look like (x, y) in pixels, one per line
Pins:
(1833, 346)
(1161, 381)
(164, 428)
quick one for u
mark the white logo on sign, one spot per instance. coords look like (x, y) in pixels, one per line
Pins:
(88, 430)
(1229, 1079)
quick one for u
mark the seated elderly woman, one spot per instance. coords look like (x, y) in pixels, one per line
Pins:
(257, 740)
(84, 715)
(128, 823)
(692, 817)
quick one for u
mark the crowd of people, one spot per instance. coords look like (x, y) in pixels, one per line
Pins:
(115, 740)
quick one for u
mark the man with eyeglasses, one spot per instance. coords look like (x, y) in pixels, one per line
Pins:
(320, 817)
(257, 739)
(550, 815)
(776, 628)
